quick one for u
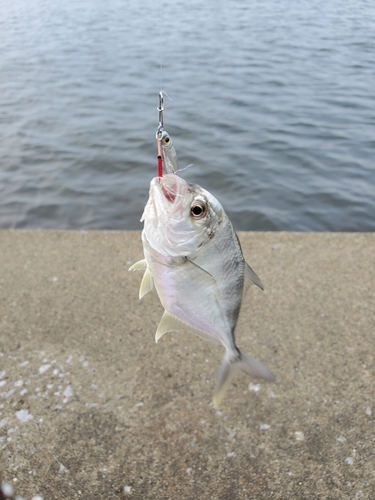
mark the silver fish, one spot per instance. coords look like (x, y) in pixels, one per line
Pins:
(169, 152)
(194, 259)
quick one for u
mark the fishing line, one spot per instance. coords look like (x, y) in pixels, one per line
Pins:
(185, 168)
(161, 50)
(159, 131)
(161, 107)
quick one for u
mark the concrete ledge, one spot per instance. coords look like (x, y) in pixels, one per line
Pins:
(90, 405)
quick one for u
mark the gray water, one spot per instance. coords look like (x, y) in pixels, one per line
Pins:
(273, 103)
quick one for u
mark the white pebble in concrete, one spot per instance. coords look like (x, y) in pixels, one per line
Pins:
(254, 387)
(7, 489)
(44, 368)
(24, 415)
(68, 393)
(341, 439)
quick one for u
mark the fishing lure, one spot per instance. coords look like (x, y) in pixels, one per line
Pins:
(159, 133)
(167, 155)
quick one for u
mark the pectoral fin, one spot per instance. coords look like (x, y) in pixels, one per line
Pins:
(147, 284)
(197, 274)
(141, 265)
(252, 277)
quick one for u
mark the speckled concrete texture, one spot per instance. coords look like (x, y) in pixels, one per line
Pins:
(91, 407)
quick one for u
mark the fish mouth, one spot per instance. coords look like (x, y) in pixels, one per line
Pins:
(169, 187)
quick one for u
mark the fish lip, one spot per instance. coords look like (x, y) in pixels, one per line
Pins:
(169, 187)
(167, 200)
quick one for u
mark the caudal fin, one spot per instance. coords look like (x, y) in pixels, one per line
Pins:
(229, 367)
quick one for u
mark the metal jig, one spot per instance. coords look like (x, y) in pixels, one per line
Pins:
(159, 132)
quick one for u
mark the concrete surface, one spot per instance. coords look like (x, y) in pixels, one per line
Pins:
(91, 407)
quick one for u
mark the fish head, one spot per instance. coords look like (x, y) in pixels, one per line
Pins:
(180, 217)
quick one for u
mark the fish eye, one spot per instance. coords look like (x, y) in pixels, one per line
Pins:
(198, 209)
(166, 140)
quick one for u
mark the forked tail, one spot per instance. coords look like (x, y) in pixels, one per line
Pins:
(230, 366)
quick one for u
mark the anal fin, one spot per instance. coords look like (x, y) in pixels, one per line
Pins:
(147, 284)
(170, 323)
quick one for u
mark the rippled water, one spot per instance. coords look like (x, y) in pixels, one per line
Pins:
(273, 103)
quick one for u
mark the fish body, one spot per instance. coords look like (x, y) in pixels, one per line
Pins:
(194, 259)
(169, 153)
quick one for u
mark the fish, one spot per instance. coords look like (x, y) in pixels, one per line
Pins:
(169, 152)
(193, 258)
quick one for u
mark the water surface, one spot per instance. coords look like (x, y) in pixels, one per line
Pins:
(273, 103)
